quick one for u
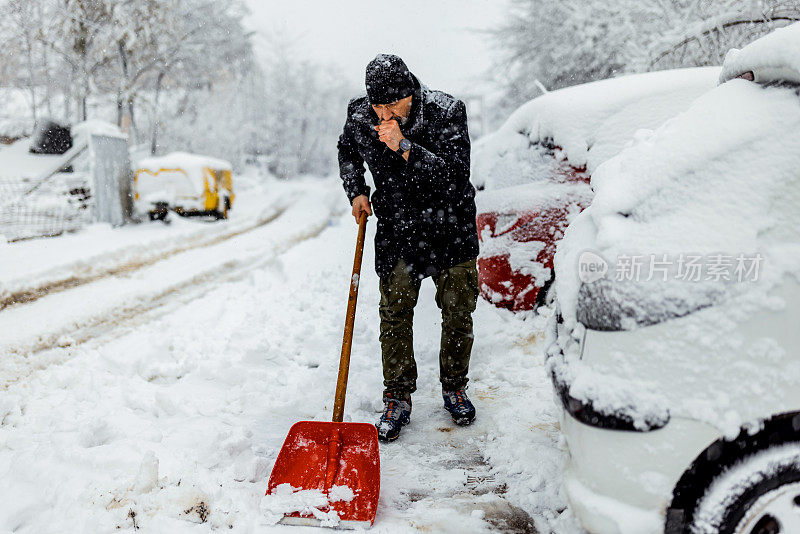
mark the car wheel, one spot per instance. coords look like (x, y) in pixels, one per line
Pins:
(159, 216)
(758, 495)
(159, 212)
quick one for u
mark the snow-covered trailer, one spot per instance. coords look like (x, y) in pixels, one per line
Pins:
(188, 184)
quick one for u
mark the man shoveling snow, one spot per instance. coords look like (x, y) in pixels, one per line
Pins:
(416, 144)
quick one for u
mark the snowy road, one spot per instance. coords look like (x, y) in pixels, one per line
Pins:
(159, 398)
(108, 303)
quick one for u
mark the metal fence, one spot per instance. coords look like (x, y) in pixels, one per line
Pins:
(62, 203)
(90, 182)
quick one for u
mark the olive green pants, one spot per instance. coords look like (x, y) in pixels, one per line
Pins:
(456, 296)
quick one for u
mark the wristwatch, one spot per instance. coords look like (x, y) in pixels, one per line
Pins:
(405, 146)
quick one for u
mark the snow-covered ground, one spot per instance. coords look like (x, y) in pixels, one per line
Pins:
(158, 395)
(33, 267)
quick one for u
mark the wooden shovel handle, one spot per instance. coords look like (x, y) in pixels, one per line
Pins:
(347, 342)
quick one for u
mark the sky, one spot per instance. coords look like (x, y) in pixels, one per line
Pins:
(439, 40)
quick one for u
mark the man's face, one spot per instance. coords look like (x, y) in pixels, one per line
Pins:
(395, 110)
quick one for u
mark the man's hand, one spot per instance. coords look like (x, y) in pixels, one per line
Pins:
(389, 132)
(361, 203)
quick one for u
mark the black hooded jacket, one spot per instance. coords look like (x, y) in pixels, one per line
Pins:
(425, 206)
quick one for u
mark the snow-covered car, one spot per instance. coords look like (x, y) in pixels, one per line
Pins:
(188, 184)
(533, 173)
(675, 347)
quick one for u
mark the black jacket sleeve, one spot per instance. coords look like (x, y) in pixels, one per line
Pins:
(445, 167)
(351, 164)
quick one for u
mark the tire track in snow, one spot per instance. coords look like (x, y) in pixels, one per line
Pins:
(35, 292)
(31, 353)
(162, 304)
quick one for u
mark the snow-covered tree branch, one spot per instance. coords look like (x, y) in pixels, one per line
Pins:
(176, 75)
(566, 42)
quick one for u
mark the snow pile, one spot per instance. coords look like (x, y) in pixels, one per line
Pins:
(83, 130)
(287, 500)
(147, 479)
(17, 163)
(707, 182)
(148, 500)
(590, 123)
(15, 127)
(774, 57)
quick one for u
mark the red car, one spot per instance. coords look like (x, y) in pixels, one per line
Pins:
(533, 174)
(519, 227)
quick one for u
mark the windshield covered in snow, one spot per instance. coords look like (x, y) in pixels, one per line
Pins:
(532, 162)
(584, 125)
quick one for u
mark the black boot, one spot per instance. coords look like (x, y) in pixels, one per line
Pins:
(460, 408)
(396, 414)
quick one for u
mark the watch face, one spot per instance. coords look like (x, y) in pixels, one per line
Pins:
(405, 144)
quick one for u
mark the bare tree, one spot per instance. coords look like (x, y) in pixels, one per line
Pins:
(180, 74)
(714, 28)
(78, 31)
(305, 104)
(193, 44)
(566, 42)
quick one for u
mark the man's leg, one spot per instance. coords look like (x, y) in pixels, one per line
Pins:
(398, 298)
(457, 296)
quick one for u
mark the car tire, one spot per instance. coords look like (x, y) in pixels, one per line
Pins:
(159, 216)
(225, 204)
(758, 495)
(546, 294)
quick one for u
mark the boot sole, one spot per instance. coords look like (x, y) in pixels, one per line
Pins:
(463, 421)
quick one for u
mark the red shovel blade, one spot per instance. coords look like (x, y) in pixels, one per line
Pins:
(318, 455)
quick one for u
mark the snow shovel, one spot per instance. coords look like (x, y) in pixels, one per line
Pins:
(325, 456)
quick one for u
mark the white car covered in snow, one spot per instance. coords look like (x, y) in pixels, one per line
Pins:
(675, 349)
